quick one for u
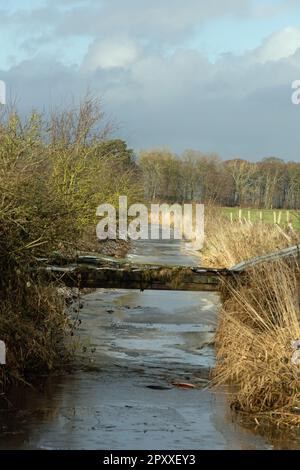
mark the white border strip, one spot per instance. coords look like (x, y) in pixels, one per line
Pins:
(2, 92)
(2, 353)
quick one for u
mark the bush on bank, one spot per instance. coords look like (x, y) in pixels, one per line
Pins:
(54, 172)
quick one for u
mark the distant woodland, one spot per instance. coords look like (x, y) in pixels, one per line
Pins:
(193, 176)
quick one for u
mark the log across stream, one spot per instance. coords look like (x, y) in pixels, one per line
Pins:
(97, 271)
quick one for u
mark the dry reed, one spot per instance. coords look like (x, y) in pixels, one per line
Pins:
(259, 323)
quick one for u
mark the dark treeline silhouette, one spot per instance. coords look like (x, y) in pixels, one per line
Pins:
(269, 183)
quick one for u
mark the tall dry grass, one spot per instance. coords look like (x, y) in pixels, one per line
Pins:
(259, 322)
(227, 244)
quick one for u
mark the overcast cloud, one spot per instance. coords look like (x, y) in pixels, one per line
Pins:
(138, 55)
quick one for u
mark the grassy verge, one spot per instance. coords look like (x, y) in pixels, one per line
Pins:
(268, 216)
(259, 323)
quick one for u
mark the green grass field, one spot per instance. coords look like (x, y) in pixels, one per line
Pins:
(283, 217)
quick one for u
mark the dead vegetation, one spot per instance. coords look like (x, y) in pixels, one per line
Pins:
(227, 244)
(259, 325)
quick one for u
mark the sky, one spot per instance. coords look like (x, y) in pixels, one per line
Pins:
(213, 75)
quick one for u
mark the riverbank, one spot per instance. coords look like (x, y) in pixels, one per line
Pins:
(54, 172)
(259, 323)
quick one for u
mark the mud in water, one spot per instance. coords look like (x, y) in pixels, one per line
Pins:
(124, 394)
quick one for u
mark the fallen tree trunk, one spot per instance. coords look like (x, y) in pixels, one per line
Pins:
(100, 273)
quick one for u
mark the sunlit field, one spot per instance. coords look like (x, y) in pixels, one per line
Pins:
(280, 217)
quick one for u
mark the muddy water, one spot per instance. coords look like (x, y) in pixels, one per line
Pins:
(123, 394)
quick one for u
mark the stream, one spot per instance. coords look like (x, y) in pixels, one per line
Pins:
(122, 394)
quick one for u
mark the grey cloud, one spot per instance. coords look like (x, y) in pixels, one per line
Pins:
(234, 107)
(155, 20)
(240, 105)
(159, 18)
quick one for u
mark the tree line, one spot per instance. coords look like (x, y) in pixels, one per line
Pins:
(193, 176)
